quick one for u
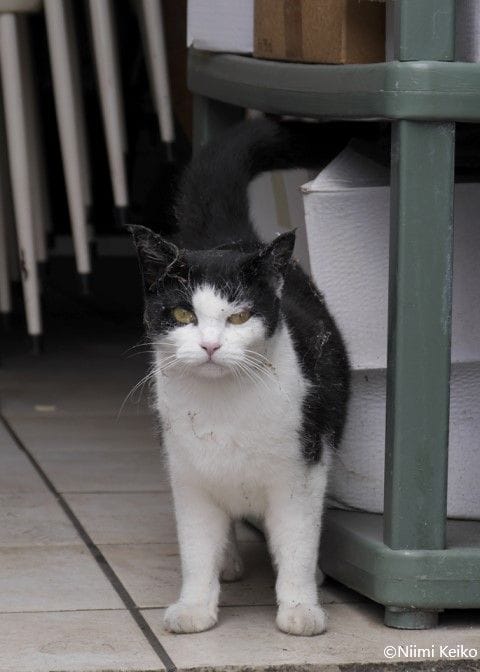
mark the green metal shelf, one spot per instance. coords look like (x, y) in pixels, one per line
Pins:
(356, 555)
(416, 90)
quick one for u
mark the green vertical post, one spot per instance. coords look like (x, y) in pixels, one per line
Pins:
(424, 30)
(419, 335)
(211, 117)
(418, 377)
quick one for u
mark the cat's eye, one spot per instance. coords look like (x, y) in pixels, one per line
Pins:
(240, 318)
(183, 315)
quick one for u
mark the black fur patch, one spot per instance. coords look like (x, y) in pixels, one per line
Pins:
(323, 358)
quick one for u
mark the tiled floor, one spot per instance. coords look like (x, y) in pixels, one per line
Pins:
(88, 554)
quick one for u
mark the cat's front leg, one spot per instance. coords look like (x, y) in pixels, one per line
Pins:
(202, 534)
(293, 523)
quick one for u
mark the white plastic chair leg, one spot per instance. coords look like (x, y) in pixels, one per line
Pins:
(153, 32)
(5, 223)
(12, 246)
(110, 92)
(41, 204)
(5, 293)
(79, 105)
(17, 136)
(63, 80)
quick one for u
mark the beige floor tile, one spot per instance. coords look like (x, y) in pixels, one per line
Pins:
(85, 641)
(17, 473)
(150, 572)
(6, 441)
(246, 637)
(117, 518)
(54, 578)
(49, 432)
(152, 575)
(96, 454)
(84, 387)
(94, 471)
(34, 518)
(104, 401)
(332, 592)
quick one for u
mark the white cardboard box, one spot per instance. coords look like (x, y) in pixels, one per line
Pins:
(347, 220)
(220, 25)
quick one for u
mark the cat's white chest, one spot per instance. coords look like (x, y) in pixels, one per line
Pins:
(235, 438)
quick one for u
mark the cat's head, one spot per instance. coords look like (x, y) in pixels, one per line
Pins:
(211, 313)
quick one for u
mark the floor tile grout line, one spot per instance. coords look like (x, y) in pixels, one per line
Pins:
(114, 492)
(98, 556)
(63, 611)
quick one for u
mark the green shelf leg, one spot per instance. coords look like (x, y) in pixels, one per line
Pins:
(410, 619)
(419, 335)
(211, 117)
(419, 342)
(420, 304)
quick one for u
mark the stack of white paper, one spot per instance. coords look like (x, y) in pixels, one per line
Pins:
(347, 219)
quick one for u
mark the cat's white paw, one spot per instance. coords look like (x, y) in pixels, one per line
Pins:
(232, 569)
(185, 618)
(304, 620)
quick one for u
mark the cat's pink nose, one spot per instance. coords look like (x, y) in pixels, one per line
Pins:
(210, 348)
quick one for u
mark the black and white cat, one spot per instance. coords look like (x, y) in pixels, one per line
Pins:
(251, 380)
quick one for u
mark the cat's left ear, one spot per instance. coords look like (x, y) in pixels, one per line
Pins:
(274, 257)
(279, 251)
(158, 257)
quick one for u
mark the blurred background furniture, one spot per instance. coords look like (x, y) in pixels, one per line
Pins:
(151, 25)
(31, 172)
(71, 125)
(24, 156)
(105, 49)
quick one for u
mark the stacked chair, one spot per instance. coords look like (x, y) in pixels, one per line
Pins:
(25, 219)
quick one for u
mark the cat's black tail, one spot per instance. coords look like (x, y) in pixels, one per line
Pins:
(212, 203)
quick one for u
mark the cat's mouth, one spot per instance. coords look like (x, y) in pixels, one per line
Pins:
(211, 369)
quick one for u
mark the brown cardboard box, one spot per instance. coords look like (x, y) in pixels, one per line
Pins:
(320, 31)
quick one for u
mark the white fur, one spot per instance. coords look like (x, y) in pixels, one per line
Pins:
(232, 441)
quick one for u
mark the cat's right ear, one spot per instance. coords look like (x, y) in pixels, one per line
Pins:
(157, 256)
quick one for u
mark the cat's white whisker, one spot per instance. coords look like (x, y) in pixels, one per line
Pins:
(141, 383)
(142, 352)
(137, 345)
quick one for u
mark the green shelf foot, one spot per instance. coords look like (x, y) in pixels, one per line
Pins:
(410, 619)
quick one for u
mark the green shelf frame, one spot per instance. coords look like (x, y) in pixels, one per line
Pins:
(355, 554)
(417, 90)
(409, 559)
